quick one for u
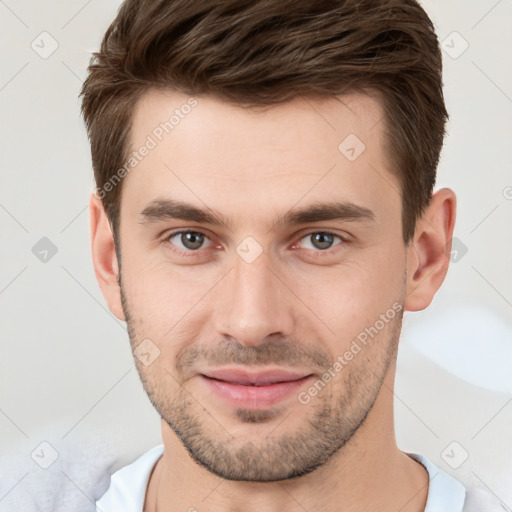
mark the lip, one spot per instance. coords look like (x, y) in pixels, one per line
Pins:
(253, 390)
(261, 378)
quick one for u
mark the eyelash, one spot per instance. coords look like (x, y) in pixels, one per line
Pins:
(192, 253)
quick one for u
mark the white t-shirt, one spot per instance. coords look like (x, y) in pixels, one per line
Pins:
(127, 489)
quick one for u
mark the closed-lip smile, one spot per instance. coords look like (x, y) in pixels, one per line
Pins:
(261, 378)
(254, 389)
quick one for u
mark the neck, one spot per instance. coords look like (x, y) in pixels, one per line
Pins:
(368, 473)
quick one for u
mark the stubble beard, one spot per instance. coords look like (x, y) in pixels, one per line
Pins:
(335, 416)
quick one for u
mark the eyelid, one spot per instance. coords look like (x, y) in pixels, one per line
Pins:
(328, 231)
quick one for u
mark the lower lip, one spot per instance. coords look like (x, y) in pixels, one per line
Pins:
(254, 397)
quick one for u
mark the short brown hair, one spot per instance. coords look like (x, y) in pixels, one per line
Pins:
(264, 52)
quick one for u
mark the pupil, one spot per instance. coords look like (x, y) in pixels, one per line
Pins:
(322, 240)
(192, 240)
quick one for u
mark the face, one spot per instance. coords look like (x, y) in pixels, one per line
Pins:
(262, 276)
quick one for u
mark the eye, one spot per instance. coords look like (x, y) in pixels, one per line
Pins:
(190, 241)
(321, 240)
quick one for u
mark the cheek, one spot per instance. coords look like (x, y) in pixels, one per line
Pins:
(158, 287)
(166, 306)
(352, 296)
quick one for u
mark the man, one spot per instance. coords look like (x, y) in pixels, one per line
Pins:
(264, 214)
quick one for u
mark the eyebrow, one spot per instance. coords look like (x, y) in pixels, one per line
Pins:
(169, 209)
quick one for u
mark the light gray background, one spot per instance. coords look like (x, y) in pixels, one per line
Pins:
(66, 371)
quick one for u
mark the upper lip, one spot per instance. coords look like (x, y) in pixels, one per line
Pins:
(257, 378)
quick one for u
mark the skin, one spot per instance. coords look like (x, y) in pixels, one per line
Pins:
(297, 306)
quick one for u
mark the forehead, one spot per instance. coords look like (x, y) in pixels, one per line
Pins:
(160, 112)
(204, 150)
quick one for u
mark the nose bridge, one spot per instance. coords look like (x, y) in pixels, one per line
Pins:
(253, 306)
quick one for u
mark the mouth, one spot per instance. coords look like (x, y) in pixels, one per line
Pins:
(254, 390)
(261, 378)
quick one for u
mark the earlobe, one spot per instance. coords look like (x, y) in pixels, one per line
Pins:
(428, 254)
(104, 256)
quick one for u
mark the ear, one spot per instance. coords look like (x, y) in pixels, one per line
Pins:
(104, 256)
(428, 254)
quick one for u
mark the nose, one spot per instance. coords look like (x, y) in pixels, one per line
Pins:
(254, 304)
